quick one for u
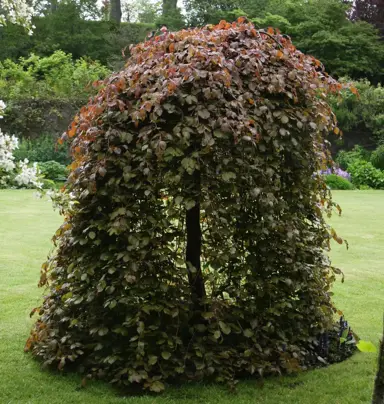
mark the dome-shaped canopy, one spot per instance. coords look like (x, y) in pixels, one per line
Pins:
(193, 237)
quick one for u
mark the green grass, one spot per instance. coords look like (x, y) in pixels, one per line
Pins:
(26, 226)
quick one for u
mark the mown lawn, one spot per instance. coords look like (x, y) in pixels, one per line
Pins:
(26, 226)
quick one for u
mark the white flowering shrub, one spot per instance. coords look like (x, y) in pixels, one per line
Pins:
(17, 12)
(21, 174)
(7, 145)
(28, 177)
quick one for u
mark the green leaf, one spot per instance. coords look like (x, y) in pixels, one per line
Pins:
(218, 133)
(248, 353)
(178, 200)
(92, 235)
(157, 386)
(248, 333)
(166, 355)
(189, 164)
(189, 204)
(191, 99)
(66, 296)
(225, 327)
(152, 359)
(366, 346)
(103, 331)
(135, 377)
(199, 365)
(322, 360)
(228, 176)
(217, 334)
(200, 327)
(203, 113)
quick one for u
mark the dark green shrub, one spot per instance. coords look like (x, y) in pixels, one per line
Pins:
(53, 170)
(336, 182)
(345, 158)
(41, 149)
(361, 114)
(194, 244)
(30, 118)
(377, 158)
(48, 184)
(364, 173)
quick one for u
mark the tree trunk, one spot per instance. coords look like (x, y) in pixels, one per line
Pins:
(169, 7)
(378, 393)
(115, 11)
(53, 6)
(193, 250)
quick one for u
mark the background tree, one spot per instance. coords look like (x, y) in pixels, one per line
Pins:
(142, 11)
(89, 9)
(361, 116)
(371, 11)
(115, 12)
(321, 28)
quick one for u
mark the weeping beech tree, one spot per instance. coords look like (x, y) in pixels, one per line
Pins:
(193, 238)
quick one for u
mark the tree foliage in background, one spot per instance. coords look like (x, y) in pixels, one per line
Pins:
(193, 241)
(142, 11)
(88, 9)
(361, 114)
(371, 11)
(321, 28)
(66, 30)
(57, 76)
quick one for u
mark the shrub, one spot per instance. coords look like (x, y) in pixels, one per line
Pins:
(54, 76)
(48, 184)
(42, 149)
(43, 93)
(364, 187)
(377, 158)
(32, 118)
(53, 170)
(345, 158)
(16, 174)
(364, 173)
(193, 243)
(334, 181)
